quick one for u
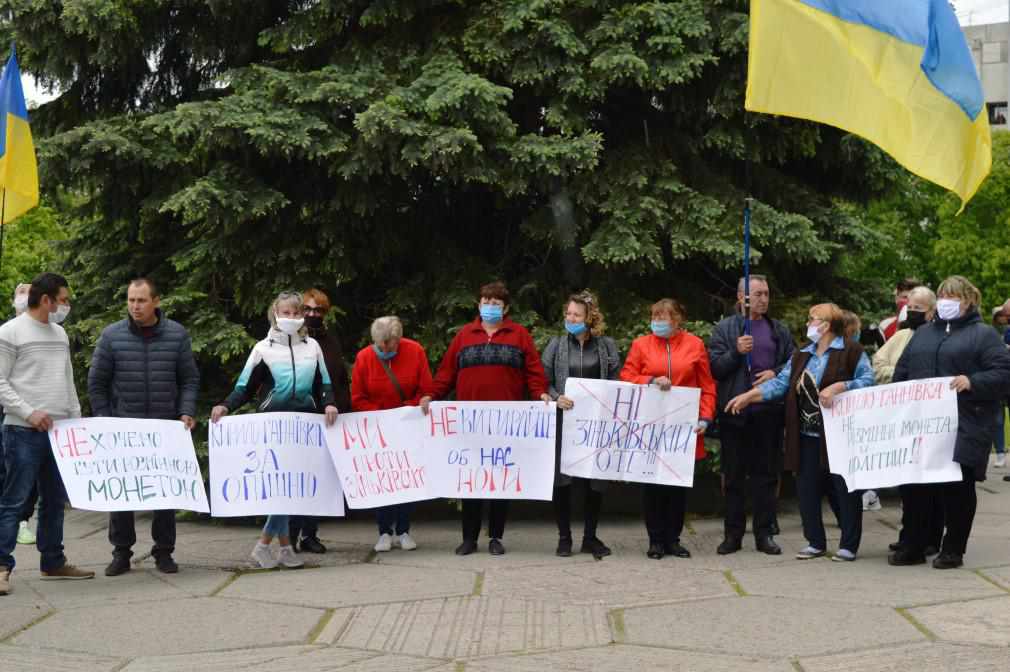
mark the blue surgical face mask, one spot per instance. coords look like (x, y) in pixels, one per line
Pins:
(575, 328)
(662, 328)
(491, 313)
(384, 356)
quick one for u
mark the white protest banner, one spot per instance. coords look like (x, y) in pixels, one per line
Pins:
(380, 457)
(890, 435)
(491, 449)
(272, 463)
(126, 464)
(626, 432)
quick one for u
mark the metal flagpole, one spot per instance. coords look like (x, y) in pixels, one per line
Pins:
(746, 273)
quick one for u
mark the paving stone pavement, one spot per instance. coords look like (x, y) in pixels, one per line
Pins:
(353, 610)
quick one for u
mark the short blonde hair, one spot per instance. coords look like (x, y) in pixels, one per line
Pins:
(961, 287)
(386, 328)
(286, 298)
(594, 318)
(832, 314)
(924, 294)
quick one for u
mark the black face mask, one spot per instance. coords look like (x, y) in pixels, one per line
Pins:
(914, 319)
(314, 322)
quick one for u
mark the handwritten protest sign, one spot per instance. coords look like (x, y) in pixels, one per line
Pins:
(379, 457)
(889, 435)
(491, 449)
(265, 463)
(626, 432)
(123, 464)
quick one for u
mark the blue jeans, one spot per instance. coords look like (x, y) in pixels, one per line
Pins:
(398, 514)
(28, 459)
(276, 526)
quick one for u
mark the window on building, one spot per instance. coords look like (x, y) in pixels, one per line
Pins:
(997, 113)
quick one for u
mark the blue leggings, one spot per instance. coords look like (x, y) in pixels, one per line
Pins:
(276, 526)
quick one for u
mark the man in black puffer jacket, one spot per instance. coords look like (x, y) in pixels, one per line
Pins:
(143, 367)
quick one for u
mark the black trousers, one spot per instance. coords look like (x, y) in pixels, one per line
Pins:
(751, 458)
(663, 507)
(473, 512)
(303, 527)
(563, 509)
(812, 485)
(959, 501)
(123, 532)
(934, 515)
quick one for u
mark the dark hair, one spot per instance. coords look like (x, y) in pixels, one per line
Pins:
(45, 284)
(150, 285)
(907, 285)
(494, 290)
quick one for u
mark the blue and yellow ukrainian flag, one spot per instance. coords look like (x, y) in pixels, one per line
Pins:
(896, 72)
(19, 175)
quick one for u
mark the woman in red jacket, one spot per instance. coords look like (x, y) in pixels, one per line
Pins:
(390, 373)
(666, 358)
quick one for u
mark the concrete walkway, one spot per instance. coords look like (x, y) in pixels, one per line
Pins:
(355, 611)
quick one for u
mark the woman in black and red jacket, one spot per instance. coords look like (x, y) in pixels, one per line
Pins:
(490, 359)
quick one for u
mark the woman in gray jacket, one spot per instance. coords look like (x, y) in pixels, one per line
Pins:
(582, 352)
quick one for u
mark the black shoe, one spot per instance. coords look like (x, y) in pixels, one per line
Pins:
(1007, 477)
(767, 546)
(495, 547)
(166, 565)
(311, 545)
(676, 550)
(903, 557)
(773, 529)
(595, 546)
(948, 561)
(931, 551)
(564, 547)
(655, 551)
(729, 546)
(896, 546)
(120, 565)
(466, 548)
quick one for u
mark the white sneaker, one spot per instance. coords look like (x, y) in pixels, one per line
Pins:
(287, 557)
(407, 542)
(25, 534)
(1000, 460)
(263, 556)
(384, 544)
(870, 501)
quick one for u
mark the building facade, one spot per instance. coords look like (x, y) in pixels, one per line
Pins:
(988, 44)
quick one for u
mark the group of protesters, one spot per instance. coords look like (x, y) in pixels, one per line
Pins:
(762, 393)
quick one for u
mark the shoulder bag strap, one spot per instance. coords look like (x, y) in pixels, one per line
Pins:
(392, 378)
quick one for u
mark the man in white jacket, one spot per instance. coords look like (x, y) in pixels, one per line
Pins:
(36, 389)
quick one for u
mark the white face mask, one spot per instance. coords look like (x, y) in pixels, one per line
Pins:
(290, 325)
(21, 303)
(948, 309)
(61, 314)
(814, 333)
